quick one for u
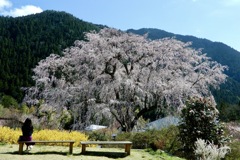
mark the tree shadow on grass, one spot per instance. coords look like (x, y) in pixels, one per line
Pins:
(105, 154)
(38, 153)
(87, 153)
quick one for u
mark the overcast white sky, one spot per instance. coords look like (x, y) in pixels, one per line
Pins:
(216, 20)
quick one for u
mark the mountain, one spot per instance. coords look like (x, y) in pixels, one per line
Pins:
(230, 91)
(24, 41)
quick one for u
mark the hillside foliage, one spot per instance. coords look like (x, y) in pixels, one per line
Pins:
(24, 41)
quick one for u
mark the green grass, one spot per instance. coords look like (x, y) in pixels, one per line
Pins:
(42, 152)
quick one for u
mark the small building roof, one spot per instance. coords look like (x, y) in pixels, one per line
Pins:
(162, 123)
(94, 127)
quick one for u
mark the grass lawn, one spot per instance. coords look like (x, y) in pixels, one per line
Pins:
(43, 152)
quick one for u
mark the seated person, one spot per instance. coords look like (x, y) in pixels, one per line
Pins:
(27, 130)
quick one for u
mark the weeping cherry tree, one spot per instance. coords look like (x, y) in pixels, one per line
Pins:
(119, 75)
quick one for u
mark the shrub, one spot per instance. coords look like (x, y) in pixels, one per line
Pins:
(98, 136)
(142, 140)
(209, 151)
(1, 110)
(165, 139)
(125, 136)
(24, 109)
(234, 154)
(9, 102)
(8, 135)
(200, 120)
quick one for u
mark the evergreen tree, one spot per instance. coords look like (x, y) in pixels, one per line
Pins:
(199, 120)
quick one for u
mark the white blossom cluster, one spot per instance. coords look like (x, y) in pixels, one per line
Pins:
(209, 151)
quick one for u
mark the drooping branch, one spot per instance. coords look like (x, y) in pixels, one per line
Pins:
(110, 69)
(140, 114)
(118, 119)
(126, 68)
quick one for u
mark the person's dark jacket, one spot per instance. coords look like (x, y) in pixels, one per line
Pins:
(27, 130)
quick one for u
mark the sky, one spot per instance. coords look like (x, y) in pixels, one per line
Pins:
(216, 20)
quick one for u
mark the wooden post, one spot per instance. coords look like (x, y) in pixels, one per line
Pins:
(83, 148)
(71, 147)
(20, 151)
(127, 148)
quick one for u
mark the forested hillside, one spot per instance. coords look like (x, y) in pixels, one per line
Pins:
(230, 91)
(26, 40)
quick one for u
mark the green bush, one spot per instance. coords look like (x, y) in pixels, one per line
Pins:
(234, 154)
(24, 109)
(140, 140)
(1, 110)
(9, 102)
(99, 135)
(168, 140)
(165, 139)
(143, 140)
(125, 136)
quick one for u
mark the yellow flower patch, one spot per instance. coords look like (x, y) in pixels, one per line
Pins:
(10, 136)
